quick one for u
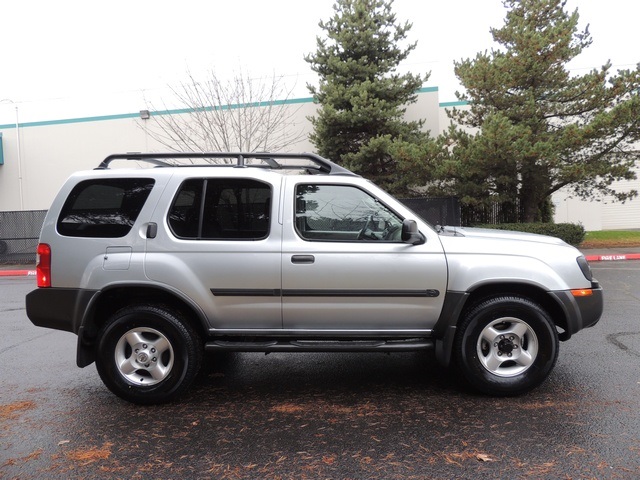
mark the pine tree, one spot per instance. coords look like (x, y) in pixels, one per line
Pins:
(362, 99)
(538, 127)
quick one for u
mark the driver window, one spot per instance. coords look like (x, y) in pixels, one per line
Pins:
(343, 213)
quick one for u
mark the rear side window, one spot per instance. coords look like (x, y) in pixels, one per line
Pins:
(103, 208)
(221, 209)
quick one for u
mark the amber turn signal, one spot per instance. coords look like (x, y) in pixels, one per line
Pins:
(582, 292)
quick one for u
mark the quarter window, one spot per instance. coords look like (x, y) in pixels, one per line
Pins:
(343, 213)
(221, 209)
(104, 208)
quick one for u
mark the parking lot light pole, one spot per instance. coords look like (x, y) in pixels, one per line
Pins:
(18, 151)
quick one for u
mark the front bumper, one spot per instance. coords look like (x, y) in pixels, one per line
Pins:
(580, 312)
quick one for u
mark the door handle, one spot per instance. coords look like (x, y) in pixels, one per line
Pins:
(152, 230)
(303, 259)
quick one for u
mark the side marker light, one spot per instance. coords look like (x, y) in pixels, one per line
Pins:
(582, 292)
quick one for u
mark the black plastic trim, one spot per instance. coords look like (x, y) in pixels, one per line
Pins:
(339, 345)
(445, 328)
(246, 292)
(258, 292)
(580, 312)
(269, 159)
(58, 308)
(315, 334)
(361, 293)
(451, 309)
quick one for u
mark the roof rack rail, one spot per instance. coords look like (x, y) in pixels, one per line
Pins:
(317, 164)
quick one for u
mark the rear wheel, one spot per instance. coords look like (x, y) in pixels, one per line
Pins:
(506, 346)
(148, 354)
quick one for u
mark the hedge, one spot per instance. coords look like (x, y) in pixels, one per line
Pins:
(571, 233)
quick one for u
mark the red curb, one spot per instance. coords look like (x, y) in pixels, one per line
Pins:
(17, 273)
(608, 258)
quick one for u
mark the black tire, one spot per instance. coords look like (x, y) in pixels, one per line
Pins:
(148, 354)
(506, 346)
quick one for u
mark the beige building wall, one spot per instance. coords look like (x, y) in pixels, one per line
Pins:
(603, 214)
(573, 210)
(50, 152)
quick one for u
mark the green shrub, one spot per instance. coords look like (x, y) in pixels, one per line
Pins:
(571, 233)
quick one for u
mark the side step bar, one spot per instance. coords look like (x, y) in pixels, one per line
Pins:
(410, 345)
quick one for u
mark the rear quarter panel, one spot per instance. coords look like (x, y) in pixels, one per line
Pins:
(78, 262)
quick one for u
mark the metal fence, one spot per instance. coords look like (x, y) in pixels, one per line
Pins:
(498, 213)
(436, 211)
(493, 214)
(19, 232)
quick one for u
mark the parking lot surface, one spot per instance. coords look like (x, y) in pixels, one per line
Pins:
(326, 415)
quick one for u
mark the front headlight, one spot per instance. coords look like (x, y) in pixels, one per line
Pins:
(585, 267)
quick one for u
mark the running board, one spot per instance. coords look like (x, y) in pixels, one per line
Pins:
(410, 345)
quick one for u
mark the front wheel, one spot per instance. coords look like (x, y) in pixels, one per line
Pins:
(506, 346)
(148, 354)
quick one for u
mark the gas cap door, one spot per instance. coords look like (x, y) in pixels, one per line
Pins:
(117, 258)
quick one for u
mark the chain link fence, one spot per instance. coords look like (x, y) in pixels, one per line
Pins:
(19, 232)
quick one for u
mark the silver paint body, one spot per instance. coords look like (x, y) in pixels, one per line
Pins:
(457, 261)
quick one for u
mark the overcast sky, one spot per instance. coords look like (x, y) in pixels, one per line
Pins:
(66, 59)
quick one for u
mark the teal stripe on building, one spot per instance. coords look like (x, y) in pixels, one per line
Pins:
(180, 111)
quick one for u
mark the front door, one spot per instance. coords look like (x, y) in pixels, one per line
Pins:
(345, 267)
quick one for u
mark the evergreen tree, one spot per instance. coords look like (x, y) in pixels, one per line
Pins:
(538, 127)
(360, 120)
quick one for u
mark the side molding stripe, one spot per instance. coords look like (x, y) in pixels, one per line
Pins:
(249, 292)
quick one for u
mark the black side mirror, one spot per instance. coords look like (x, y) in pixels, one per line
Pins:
(410, 233)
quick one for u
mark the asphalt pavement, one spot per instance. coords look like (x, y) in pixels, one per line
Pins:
(326, 415)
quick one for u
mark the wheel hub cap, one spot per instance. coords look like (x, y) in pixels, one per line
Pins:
(507, 347)
(144, 356)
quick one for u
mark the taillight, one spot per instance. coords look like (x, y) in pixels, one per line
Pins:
(43, 266)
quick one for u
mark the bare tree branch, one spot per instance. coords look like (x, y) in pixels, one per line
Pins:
(242, 114)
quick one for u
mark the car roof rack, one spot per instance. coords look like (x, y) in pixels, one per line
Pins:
(310, 162)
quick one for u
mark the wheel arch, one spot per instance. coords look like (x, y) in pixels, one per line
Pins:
(532, 292)
(458, 304)
(111, 299)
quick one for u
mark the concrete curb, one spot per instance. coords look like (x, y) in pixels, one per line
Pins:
(17, 273)
(610, 257)
(613, 257)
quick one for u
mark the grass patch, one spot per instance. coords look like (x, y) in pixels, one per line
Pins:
(611, 239)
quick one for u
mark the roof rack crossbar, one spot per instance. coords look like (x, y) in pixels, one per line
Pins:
(270, 160)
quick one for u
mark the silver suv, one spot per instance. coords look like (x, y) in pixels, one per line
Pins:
(151, 267)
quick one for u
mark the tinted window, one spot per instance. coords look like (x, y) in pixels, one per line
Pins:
(221, 209)
(343, 213)
(105, 208)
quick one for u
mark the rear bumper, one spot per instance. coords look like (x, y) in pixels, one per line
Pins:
(58, 308)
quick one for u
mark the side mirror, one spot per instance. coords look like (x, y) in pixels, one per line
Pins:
(410, 233)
